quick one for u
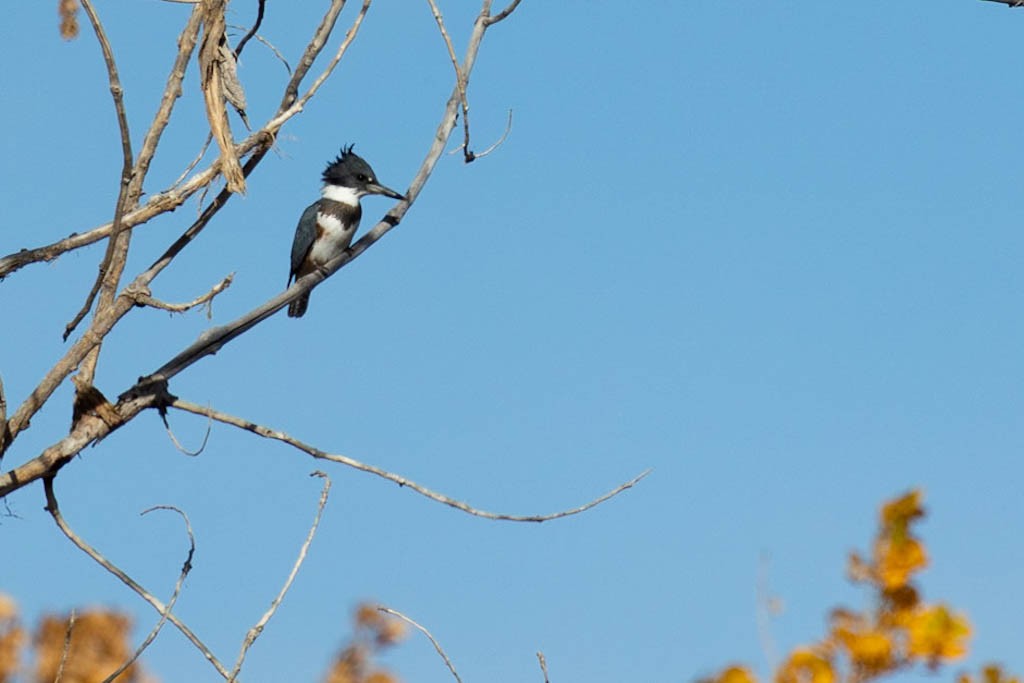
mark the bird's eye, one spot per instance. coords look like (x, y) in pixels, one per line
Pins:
(363, 178)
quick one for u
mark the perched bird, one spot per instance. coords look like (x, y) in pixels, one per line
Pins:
(328, 224)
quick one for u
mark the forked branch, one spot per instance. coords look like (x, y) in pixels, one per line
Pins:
(54, 509)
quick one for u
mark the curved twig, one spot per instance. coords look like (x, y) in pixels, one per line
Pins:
(177, 444)
(256, 630)
(54, 509)
(252, 31)
(424, 631)
(496, 145)
(268, 433)
(186, 567)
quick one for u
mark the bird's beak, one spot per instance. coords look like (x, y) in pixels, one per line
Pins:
(374, 188)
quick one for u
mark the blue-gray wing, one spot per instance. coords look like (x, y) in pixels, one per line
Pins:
(305, 235)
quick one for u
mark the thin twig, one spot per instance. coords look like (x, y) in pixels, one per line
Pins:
(460, 79)
(3, 419)
(177, 444)
(313, 49)
(481, 155)
(256, 630)
(110, 271)
(543, 665)
(54, 510)
(421, 629)
(144, 299)
(268, 44)
(277, 53)
(252, 31)
(186, 567)
(350, 36)
(195, 162)
(503, 14)
(268, 433)
(67, 646)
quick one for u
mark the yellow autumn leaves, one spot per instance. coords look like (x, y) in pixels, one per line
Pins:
(898, 632)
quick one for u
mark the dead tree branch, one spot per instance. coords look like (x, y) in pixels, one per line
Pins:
(261, 7)
(424, 631)
(256, 630)
(54, 509)
(460, 80)
(186, 567)
(144, 298)
(109, 272)
(276, 435)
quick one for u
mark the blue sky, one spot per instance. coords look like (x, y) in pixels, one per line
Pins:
(770, 250)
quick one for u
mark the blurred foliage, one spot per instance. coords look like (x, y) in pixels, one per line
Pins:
(99, 642)
(85, 647)
(374, 632)
(898, 633)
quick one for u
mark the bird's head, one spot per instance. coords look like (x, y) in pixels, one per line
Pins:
(350, 171)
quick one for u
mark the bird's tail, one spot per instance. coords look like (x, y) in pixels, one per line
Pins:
(297, 308)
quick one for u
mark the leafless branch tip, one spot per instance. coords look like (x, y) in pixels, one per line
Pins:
(424, 631)
(257, 629)
(186, 567)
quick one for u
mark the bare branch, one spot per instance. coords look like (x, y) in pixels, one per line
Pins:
(195, 162)
(3, 419)
(350, 35)
(268, 433)
(106, 319)
(421, 629)
(1010, 3)
(67, 647)
(500, 16)
(186, 567)
(270, 46)
(543, 665)
(177, 444)
(117, 247)
(252, 31)
(315, 46)
(143, 298)
(501, 140)
(460, 79)
(256, 630)
(54, 510)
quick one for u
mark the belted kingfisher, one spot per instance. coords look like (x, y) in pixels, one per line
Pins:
(328, 224)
